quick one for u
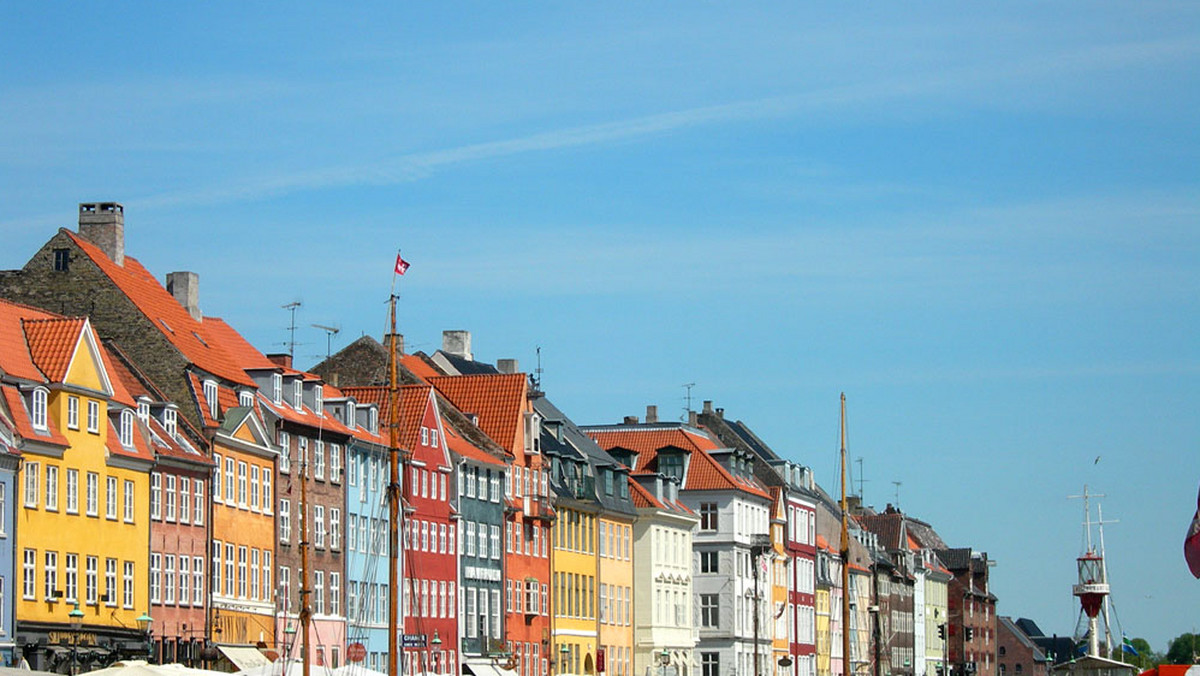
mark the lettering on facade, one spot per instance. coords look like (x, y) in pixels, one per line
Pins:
(69, 637)
(485, 574)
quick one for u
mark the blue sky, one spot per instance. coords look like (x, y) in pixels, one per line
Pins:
(980, 222)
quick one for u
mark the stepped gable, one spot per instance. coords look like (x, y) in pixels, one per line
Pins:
(703, 473)
(162, 309)
(496, 400)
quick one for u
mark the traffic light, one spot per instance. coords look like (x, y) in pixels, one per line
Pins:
(942, 632)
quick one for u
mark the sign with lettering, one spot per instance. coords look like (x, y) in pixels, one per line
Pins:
(413, 640)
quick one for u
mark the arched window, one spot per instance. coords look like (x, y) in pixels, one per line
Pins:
(126, 432)
(38, 411)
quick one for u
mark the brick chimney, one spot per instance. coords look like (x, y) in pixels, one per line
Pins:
(457, 343)
(651, 413)
(708, 409)
(507, 365)
(185, 286)
(630, 420)
(103, 224)
(281, 359)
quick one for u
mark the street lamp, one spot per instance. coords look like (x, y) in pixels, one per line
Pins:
(289, 640)
(144, 621)
(664, 658)
(564, 658)
(436, 642)
(76, 617)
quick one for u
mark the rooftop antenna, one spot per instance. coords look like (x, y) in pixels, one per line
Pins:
(537, 371)
(688, 399)
(898, 484)
(330, 332)
(291, 344)
(861, 480)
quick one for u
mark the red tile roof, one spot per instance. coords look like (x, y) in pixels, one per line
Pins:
(52, 344)
(16, 404)
(413, 400)
(189, 336)
(457, 444)
(419, 367)
(240, 350)
(704, 472)
(497, 399)
(15, 359)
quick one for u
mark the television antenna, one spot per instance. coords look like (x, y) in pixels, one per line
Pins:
(291, 344)
(687, 397)
(330, 332)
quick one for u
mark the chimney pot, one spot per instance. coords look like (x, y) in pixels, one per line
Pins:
(631, 420)
(721, 413)
(457, 343)
(507, 365)
(651, 413)
(693, 419)
(103, 224)
(185, 287)
(708, 406)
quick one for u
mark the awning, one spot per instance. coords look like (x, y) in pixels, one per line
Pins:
(484, 667)
(243, 657)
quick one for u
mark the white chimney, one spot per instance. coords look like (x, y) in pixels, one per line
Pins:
(457, 343)
(507, 365)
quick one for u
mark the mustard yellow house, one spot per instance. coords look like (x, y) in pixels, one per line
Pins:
(82, 515)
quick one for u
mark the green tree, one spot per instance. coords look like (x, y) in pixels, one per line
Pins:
(1145, 658)
(1182, 649)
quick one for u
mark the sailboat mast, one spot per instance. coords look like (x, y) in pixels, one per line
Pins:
(305, 608)
(393, 495)
(845, 552)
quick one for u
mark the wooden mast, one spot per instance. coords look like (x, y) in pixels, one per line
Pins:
(393, 495)
(305, 608)
(845, 552)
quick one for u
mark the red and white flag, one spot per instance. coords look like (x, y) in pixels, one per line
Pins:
(1191, 543)
(401, 265)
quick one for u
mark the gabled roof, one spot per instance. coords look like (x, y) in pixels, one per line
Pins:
(240, 350)
(496, 399)
(703, 473)
(15, 358)
(172, 320)
(643, 498)
(23, 424)
(52, 344)
(413, 401)
(461, 447)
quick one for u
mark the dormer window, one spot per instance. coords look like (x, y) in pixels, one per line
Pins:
(126, 431)
(297, 394)
(350, 414)
(276, 387)
(319, 399)
(210, 396)
(143, 410)
(671, 464)
(169, 419)
(373, 420)
(245, 398)
(38, 411)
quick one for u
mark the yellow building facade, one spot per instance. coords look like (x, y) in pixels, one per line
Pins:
(614, 568)
(574, 576)
(83, 526)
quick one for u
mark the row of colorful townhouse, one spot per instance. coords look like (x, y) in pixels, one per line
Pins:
(527, 544)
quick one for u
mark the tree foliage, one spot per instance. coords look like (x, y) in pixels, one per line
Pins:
(1182, 649)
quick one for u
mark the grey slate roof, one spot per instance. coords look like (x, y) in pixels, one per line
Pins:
(585, 448)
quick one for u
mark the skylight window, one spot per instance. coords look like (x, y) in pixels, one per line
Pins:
(165, 325)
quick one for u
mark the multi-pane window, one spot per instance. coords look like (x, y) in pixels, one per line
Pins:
(129, 501)
(197, 581)
(169, 579)
(72, 412)
(51, 488)
(125, 432)
(185, 499)
(93, 494)
(50, 575)
(267, 499)
(210, 396)
(72, 491)
(198, 512)
(254, 494)
(709, 562)
(110, 497)
(285, 452)
(91, 570)
(110, 582)
(28, 575)
(319, 592)
(156, 578)
(171, 497)
(285, 520)
(709, 610)
(241, 484)
(319, 460)
(710, 664)
(127, 587)
(155, 495)
(335, 528)
(169, 420)
(335, 462)
(708, 516)
(93, 416)
(241, 572)
(31, 483)
(38, 412)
